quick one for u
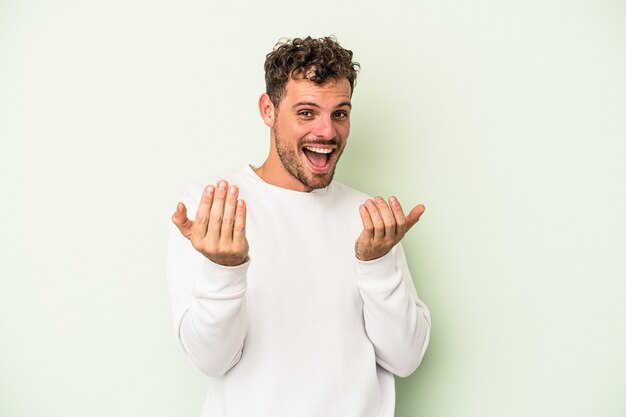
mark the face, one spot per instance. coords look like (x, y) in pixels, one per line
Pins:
(310, 131)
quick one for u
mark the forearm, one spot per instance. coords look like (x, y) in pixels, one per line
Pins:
(208, 305)
(213, 329)
(396, 321)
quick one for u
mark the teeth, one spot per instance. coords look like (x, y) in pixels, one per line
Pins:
(317, 150)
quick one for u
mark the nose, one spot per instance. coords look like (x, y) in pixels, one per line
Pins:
(325, 128)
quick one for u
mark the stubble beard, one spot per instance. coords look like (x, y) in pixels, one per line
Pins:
(292, 164)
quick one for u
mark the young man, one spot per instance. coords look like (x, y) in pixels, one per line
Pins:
(298, 301)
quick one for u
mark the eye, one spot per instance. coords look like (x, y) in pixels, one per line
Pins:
(340, 115)
(305, 114)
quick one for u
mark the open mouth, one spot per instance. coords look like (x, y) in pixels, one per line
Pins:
(319, 157)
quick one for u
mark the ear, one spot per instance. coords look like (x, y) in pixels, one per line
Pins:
(266, 108)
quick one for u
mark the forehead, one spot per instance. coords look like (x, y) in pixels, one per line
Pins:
(330, 93)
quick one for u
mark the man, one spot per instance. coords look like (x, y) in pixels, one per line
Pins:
(298, 301)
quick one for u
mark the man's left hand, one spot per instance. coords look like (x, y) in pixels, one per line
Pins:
(384, 225)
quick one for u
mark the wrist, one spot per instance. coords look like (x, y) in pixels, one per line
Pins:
(366, 255)
(228, 260)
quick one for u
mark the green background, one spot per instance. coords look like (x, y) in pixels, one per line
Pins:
(507, 119)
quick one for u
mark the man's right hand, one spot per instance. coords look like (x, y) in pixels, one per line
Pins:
(219, 229)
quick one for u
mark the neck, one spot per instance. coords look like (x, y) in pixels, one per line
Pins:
(273, 172)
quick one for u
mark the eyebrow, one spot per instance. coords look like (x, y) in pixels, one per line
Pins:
(312, 104)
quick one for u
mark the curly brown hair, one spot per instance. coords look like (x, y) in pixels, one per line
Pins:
(317, 60)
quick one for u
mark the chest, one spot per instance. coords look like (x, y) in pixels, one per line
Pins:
(303, 264)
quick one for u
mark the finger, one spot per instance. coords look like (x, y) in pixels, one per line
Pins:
(398, 214)
(217, 211)
(387, 216)
(199, 229)
(414, 216)
(179, 218)
(368, 226)
(377, 221)
(239, 229)
(230, 204)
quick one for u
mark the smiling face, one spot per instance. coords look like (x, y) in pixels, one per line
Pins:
(309, 131)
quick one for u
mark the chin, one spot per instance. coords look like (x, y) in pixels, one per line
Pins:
(318, 182)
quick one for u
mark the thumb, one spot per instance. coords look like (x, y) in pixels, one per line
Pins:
(414, 216)
(179, 218)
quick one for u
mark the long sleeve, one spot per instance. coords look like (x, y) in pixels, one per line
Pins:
(208, 304)
(397, 322)
(304, 329)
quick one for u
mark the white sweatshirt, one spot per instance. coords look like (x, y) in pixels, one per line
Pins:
(304, 328)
